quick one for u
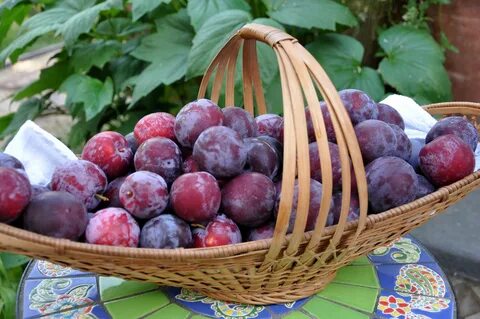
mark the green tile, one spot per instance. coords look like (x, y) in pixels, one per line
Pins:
(363, 275)
(137, 306)
(296, 315)
(362, 298)
(199, 317)
(170, 311)
(323, 309)
(361, 261)
(112, 288)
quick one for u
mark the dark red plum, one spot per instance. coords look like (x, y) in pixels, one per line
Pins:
(376, 139)
(248, 199)
(446, 159)
(161, 156)
(417, 145)
(359, 105)
(273, 142)
(221, 231)
(39, 189)
(158, 124)
(353, 210)
(15, 193)
(166, 231)
(270, 125)
(314, 207)
(194, 118)
(110, 151)
(198, 237)
(144, 194)
(113, 192)
(424, 187)
(10, 161)
(327, 119)
(56, 214)
(456, 125)
(391, 182)
(113, 227)
(262, 232)
(220, 151)
(389, 115)
(81, 178)
(403, 147)
(196, 197)
(240, 121)
(315, 171)
(262, 157)
(132, 142)
(190, 165)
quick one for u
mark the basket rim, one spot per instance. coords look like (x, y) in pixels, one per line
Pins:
(226, 251)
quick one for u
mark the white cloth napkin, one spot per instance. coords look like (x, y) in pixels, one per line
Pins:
(39, 151)
(417, 121)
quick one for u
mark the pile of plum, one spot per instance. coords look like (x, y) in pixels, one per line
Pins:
(212, 176)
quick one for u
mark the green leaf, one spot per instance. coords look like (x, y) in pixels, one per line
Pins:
(322, 14)
(28, 110)
(61, 18)
(94, 54)
(167, 50)
(9, 4)
(201, 11)
(92, 93)
(341, 57)
(8, 17)
(446, 44)
(84, 20)
(13, 260)
(5, 121)
(50, 78)
(211, 37)
(273, 95)
(25, 39)
(414, 64)
(122, 69)
(81, 130)
(120, 27)
(141, 7)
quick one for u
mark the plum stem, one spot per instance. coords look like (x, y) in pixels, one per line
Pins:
(102, 198)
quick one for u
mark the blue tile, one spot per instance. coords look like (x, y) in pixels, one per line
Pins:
(427, 279)
(100, 312)
(393, 305)
(213, 308)
(405, 250)
(45, 269)
(44, 296)
(282, 309)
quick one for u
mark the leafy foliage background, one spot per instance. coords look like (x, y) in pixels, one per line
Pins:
(123, 59)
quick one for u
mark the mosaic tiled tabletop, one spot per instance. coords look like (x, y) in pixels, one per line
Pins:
(401, 281)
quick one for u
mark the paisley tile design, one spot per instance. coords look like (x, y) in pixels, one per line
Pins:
(401, 281)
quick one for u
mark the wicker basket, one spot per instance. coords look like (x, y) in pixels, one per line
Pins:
(286, 267)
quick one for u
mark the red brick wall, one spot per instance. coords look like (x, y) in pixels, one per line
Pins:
(461, 23)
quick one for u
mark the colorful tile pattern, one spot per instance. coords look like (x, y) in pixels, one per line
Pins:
(401, 281)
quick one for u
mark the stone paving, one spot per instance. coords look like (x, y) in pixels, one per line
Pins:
(12, 78)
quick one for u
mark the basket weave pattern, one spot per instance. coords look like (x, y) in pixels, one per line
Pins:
(286, 267)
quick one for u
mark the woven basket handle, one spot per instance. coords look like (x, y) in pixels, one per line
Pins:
(263, 33)
(301, 78)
